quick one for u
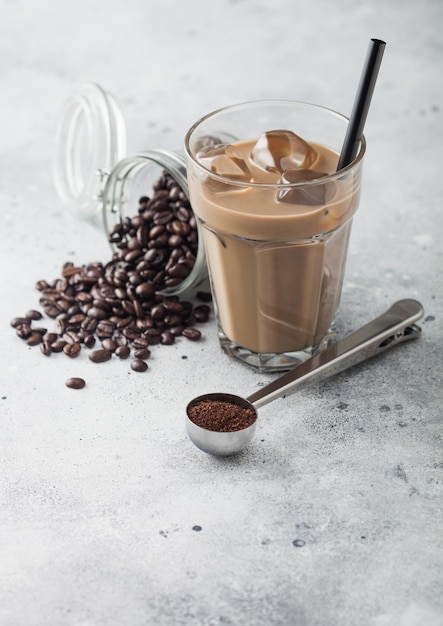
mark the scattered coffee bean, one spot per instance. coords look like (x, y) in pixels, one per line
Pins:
(123, 352)
(45, 348)
(109, 344)
(100, 356)
(40, 330)
(191, 333)
(142, 353)
(34, 315)
(58, 345)
(138, 365)
(176, 330)
(24, 331)
(204, 296)
(140, 343)
(50, 337)
(167, 338)
(89, 341)
(34, 340)
(201, 313)
(16, 322)
(72, 350)
(75, 383)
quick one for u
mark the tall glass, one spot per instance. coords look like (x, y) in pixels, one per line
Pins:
(276, 251)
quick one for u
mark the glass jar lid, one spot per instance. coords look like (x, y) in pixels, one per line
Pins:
(91, 139)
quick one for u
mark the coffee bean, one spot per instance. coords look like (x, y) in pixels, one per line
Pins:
(24, 331)
(109, 344)
(70, 270)
(138, 310)
(158, 312)
(45, 348)
(89, 324)
(89, 341)
(105, 328)
(40, 330)
(151, 334)
(71, 337)
(51, 310)
(184, 214)
(128, 307)
(176, 330)
(34, 315)
(179, 270)
(71, 349)
(173, 306)
(60, 326)
(180, 228)
(75, 383)
(138, 365)
(175, 240)
(83, 297)
(41, 285)
(76, 319)
(50, 337)
(19, 321)
(123, 352)
(131, 333)
(201, 313)
(142, 353)
(132, 255)
(124, 322)
(171, 320)
(191, 333)
(145, 290)
(204, 296)
(163, 217)
(63, 304)
(140, 342)
(120, 339)
(167, 338)
(58, 345)
(100, 356)
(97, 313)
(34, 340)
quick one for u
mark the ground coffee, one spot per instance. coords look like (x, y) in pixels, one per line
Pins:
(221, 416)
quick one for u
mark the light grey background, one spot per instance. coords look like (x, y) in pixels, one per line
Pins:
(101, 489)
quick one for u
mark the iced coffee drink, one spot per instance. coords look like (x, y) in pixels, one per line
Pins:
(275, 218)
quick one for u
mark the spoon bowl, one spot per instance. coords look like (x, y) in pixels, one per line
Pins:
(213, 441)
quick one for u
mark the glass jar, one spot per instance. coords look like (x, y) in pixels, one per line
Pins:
(98, 182)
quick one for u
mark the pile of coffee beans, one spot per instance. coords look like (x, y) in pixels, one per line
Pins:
(116, 308)
(221, 416)
(160, 243)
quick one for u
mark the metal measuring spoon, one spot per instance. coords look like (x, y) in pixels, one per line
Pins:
(395, 326)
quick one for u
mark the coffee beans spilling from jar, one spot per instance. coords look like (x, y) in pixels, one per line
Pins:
(116, 308)
(158, 247)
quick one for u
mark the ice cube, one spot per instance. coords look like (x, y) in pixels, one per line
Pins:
(206, 141)
(279, 150)
(312, 195)
(224, 160)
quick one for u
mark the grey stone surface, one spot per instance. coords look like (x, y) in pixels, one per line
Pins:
(333, 516)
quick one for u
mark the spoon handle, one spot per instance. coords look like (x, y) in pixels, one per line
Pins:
(395, 326)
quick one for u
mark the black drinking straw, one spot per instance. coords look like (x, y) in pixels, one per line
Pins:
(362, 101)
